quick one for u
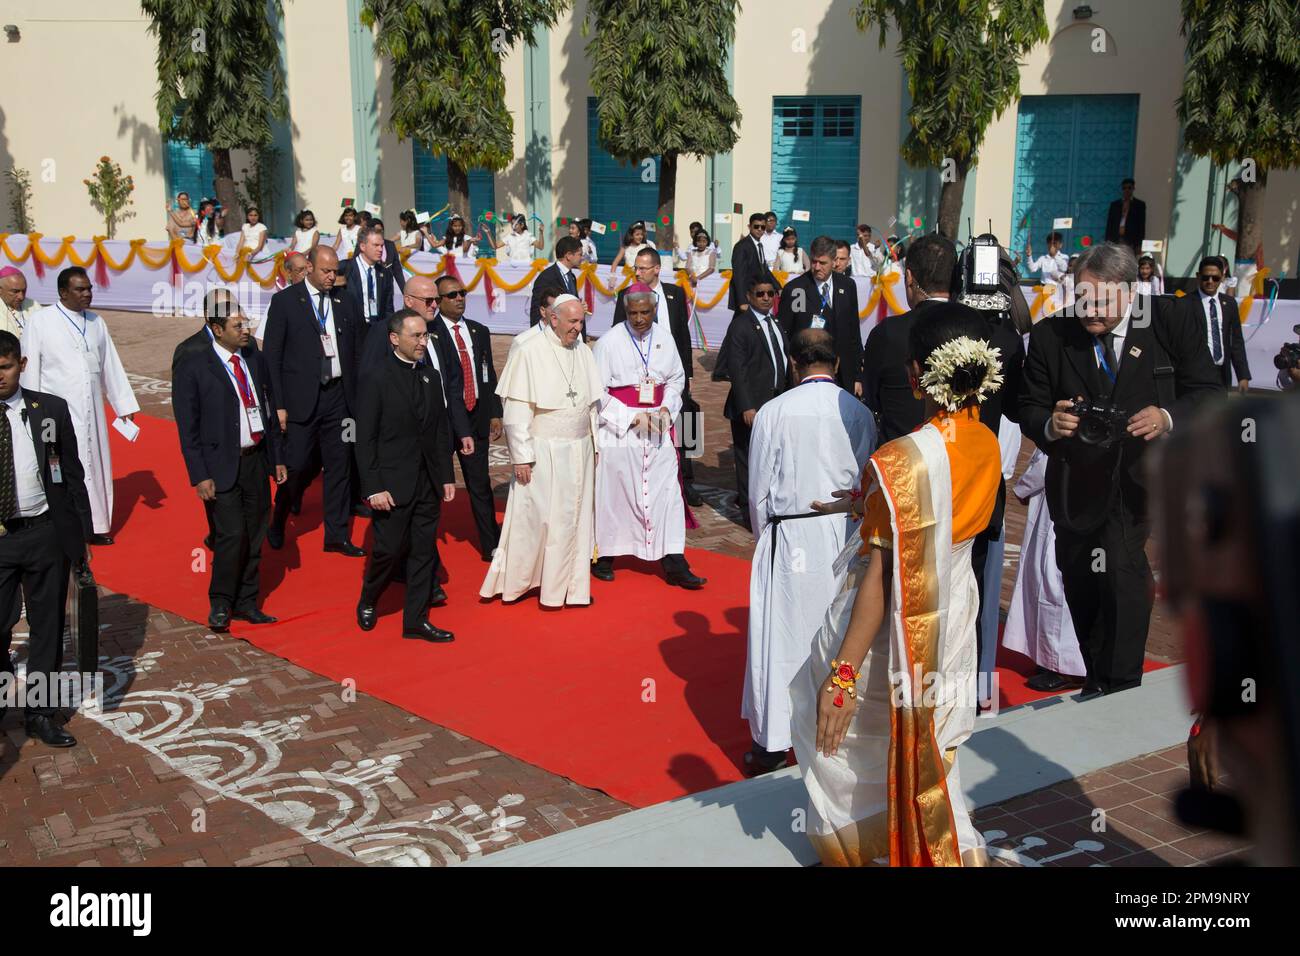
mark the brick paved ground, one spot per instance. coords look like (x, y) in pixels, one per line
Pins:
(211, 752)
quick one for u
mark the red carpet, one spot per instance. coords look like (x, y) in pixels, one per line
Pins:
(637, 696)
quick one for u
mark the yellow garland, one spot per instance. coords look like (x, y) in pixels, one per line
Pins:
(1256, 288)
(883, 286)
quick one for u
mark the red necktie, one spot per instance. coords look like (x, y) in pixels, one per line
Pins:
(245, 393)
(466, 369)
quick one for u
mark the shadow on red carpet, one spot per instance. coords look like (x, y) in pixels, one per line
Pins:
(637, 696)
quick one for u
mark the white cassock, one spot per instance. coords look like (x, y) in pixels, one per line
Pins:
(1009, 436)
(813, 440)
(550, 397)
(15, 320)
(639, 506)
(71, 354)
(1039, 623)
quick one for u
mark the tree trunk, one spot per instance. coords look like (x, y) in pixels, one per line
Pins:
(458, 191)
(667, 201)
(226, 195)
(1250, 216)
(950, 198)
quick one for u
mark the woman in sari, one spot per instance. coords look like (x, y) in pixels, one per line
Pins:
(890, 690)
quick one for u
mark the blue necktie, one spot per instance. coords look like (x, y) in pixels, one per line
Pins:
(370, 288)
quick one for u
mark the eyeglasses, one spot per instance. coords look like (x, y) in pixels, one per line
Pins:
(419, 336)
(1211, 278)
(454, 294)
(760, 294)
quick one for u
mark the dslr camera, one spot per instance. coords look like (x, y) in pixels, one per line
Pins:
(1100, 425)
(1289, 356)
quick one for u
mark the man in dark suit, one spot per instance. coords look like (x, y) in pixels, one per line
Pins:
(369, 280)
(563, 272)
(390, 260)
(311, 348)
(1126, 220)
(886, 383)
(1217, 312)
(821, 299)
(466, 347)
(748, 263)
(44, 527)
(672, 313)
(753, 356)
(231, 445)
(403, 455)
(1139, 355)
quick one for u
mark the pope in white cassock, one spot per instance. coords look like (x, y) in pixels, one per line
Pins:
(808, 443)
(640, 504)
(549, 388)
(70, 354)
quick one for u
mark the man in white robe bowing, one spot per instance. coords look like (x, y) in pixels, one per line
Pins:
(807, 443)
(70, 353)
(640, 504)
(550, 391)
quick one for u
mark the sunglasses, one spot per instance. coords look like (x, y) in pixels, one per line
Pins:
(759, 294)
(428, 300)
(1211, 278)
(455, 294)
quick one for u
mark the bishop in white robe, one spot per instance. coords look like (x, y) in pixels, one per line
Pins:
(807, 444)
(640, 502)
(70, 354)
(550, 392)
(15, 308)
(1039, 623)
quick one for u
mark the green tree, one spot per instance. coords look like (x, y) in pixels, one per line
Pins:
(110, 193)
(658, 70)
(448, 85)
(219, 79)
(962, 59)
(1240, 102)
(20, 199)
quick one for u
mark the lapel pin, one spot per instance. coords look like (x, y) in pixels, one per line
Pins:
(1135, 351)
(426, 379)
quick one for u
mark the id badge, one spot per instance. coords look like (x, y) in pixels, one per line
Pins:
(327, 343)
(56, 470)
(646, 393)
(485, 373)
(818, 322)
(254, 419)
(92, 360)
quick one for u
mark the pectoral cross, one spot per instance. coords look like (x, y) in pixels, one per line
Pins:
(573, 397)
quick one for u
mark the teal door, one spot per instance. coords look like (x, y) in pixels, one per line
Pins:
(431, 189)
(815, 164)
(616, 194)
(189, 170)
(1072, 152)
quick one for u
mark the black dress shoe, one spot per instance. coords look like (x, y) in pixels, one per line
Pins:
(603, 569)
(759, 761)
(252, 617)
(1046, 680)
(362, 511)
(693, 497)
(424, 631)
(438, 595)
(487, 558)
(219, 618)
(99, 539)
(275, 538)
(687, 580)
(44, 729)
(346, 547)
(1089, 692)
(366, 616)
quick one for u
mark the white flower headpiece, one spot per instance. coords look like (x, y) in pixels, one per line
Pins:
(952, 355)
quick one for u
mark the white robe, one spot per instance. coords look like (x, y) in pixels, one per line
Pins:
(548, 534)
(15, 320)
(1039, 623)
(807, 443)
(83, 372)
(639, 506)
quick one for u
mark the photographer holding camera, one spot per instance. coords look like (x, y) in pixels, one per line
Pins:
(1102, 378)
(1287, 363)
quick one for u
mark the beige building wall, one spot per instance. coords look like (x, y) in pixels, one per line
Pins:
(1143, 54)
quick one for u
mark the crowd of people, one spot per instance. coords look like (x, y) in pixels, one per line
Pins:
(872, 472)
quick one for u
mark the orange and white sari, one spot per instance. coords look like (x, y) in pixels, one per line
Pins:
(892, 794)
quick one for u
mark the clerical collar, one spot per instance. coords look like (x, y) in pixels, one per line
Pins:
(405, 361)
